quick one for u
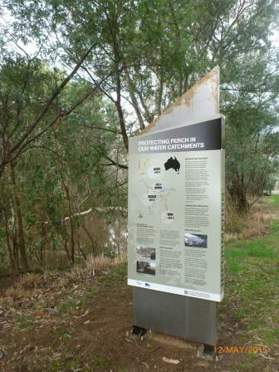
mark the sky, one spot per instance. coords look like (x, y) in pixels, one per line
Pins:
(275, 38)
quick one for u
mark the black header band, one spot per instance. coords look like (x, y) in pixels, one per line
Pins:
(197, 137)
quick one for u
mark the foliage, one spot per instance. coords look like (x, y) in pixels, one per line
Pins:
(60, 174)
(252, 137)
(157, 52)
(64, 137)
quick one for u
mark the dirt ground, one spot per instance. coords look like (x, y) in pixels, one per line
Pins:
(49, 323)
(73, 321)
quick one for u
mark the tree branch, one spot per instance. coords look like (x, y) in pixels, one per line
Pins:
(50, 101)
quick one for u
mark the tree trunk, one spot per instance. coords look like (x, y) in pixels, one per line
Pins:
(19, 221)
(239, 195)
(72, 238)
(120, 110)
(131, 90)
(12, 258)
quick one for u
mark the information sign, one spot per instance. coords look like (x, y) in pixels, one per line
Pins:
(175, 210)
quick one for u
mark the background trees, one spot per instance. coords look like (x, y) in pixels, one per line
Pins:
(60, 173)
(252, 137)
(121, 62)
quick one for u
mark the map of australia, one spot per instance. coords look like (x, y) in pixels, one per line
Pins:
(172, 163)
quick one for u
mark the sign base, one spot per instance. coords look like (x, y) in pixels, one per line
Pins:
(188, 318)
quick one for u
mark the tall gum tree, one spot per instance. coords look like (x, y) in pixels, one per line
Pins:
(156, 52)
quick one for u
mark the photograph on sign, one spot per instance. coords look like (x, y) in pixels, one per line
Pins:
(175, 211)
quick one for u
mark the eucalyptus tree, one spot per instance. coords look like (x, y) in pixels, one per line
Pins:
(251, 107)
(61, 170)
(147, 53)
(24, 88)
(155, 49)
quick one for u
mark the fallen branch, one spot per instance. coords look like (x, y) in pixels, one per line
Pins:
(97, 209)
(88, 211)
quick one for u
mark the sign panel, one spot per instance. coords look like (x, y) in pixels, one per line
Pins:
(175, 210)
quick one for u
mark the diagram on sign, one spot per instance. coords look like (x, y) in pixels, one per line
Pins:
(155, 196)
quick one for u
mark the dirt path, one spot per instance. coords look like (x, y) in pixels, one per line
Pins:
(76, 325)
(73, 322)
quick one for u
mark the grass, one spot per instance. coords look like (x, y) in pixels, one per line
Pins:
(24, 321)
(253, 282)
(274, 200)
(115, 276)
(100, 361)
(69, 305)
